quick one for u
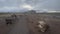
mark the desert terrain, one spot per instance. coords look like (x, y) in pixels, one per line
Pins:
(27, 24)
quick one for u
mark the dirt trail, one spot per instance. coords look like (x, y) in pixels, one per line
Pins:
(20, 27)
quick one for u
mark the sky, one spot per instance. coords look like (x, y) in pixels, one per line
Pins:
(22, 5)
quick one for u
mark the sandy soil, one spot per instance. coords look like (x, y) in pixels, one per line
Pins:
(54, 24)
(27, 24)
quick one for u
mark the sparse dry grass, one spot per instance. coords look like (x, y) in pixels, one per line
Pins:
(52, 22)
(4, 29)
(32, 20)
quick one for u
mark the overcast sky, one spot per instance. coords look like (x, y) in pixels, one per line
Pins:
(18, 5)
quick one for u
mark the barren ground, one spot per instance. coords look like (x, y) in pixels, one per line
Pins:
(27, 24)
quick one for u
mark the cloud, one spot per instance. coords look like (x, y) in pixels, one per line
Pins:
(9, 5)
(5, 8)
(2, 0)
(27, 6)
